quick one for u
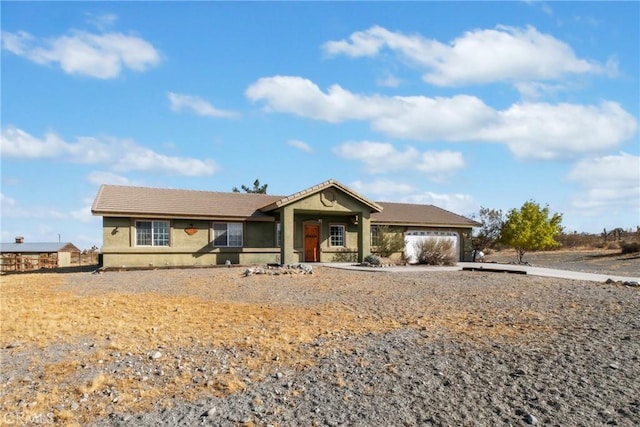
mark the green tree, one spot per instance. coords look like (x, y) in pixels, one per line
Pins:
(489, 232)
(531, 228)
(257, 188)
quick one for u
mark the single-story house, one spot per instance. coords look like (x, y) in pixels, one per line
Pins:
(23, 256)
(157, 227)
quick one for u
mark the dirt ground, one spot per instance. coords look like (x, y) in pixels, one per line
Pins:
(159, 347)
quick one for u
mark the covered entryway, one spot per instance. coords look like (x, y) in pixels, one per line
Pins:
(311, 243)
(413, 237)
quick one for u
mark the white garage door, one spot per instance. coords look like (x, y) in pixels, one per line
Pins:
(413, 236)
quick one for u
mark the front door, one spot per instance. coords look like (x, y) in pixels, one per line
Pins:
(311, 243)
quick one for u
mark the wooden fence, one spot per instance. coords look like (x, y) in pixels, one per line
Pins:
(27, 262)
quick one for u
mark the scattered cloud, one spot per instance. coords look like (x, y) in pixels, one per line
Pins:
(610, 183)
(392, 191)
(480, 56)
(388, 81)
(382, 157)
(300, 145)
(530, 130)
(84, 213)
(102, 22)
(122, 155)
(197, 106)
(550, 131)
(102, 56)
(100, 177)
(462, 204)
(382, 187)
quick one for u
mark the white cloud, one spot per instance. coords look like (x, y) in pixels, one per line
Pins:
(84, 213)
(102, 56)
(99, 178)
(530, 130)
(388, 81)
(610, 184)
(382, 187)
(546, 131)
(461, 204)
(121, 155)
(6, 202)
(480, 56)
(197, 105)
(300, 145)
(102, 22)
(382, 157)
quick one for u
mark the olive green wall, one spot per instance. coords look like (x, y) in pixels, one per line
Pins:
(119, 250)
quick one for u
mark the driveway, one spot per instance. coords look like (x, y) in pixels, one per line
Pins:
(504, 268)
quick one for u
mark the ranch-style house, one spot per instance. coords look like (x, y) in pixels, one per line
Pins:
(159, 227)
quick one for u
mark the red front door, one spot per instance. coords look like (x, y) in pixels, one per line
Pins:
(311, 243)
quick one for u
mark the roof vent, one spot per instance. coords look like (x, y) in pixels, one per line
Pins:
(19, 239)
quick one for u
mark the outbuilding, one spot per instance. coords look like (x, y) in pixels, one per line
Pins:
(25, 256)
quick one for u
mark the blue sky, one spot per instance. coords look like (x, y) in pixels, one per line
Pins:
(457, 104)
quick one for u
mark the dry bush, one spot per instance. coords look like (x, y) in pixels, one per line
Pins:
(435, 251)
(630, 247)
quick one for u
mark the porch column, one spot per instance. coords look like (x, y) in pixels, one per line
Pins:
(287, 224)
(364, 235)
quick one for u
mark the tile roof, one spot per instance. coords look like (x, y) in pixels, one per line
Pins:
(117, 200)
(423, 215)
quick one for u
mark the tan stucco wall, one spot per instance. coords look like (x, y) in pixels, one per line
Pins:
(119, 250)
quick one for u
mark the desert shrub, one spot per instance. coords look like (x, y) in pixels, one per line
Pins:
(630, 247)
(346, 255)
(435, 251)
(373, 259)
(389, 243)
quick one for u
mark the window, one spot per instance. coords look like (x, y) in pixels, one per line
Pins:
(278, 235)
(152, 233)
(227, 234)
(376, 235)
(336, 235)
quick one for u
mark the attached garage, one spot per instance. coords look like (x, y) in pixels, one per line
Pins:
(414, 237)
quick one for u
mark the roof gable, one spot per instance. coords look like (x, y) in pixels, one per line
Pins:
(316, 189)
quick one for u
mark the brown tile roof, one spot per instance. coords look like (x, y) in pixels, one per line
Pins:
(117, 200)
(423, 215)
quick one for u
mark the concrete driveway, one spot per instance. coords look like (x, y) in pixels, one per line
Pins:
(493, 267)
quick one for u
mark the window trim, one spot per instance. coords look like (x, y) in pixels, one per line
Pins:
(228, 234)
(378, 236)
(153, 228)
(344, 235)
(278, 230)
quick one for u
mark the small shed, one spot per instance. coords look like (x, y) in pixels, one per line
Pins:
(21, 256)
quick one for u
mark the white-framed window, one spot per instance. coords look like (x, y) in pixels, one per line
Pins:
(336, 235)
(376, 235)
(278, 235)
(152, 233)
(227, 234)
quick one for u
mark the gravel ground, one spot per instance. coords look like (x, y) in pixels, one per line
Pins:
(420, 349)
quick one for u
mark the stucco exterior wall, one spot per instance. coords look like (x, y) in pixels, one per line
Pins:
(192, 248)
